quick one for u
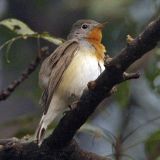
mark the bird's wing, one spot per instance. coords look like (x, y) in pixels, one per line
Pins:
(53, 68)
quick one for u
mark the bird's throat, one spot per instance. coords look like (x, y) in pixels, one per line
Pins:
(95, 34)
(95, 38)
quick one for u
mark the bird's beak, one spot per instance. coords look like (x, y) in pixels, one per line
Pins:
(101, 25)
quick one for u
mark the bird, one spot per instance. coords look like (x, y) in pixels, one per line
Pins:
(65, 73)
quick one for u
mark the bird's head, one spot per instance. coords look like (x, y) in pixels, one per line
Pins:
(88, 29)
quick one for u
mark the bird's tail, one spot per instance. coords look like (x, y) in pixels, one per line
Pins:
(43, 124)
(40, 132)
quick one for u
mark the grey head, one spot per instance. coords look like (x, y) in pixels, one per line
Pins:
(81, 28)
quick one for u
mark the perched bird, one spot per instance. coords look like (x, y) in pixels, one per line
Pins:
(65, 73)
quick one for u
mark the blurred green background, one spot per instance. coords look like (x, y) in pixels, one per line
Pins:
(130, 118)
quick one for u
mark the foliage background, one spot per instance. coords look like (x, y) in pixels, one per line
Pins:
(135, 105)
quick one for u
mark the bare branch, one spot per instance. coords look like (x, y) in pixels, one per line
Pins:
(31, 68)
(13, 149)
(128, 76)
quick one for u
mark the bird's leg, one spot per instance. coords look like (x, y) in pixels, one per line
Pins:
(74, 104)
(68, 109)
(71, 107)
(73, 100)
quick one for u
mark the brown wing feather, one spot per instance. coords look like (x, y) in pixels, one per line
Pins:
(50, 62)
(54, 68)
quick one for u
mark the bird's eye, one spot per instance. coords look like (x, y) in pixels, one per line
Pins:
(84, 26)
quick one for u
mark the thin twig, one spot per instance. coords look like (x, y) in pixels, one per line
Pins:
(7, 92)
(4, 94)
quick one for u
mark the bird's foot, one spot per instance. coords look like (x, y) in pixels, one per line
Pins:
(73, 105)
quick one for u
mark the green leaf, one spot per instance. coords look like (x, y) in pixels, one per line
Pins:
(52, 39)
(17, 26)
(25, 31)
(123, 93)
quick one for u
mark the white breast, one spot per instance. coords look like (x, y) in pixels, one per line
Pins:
(83, 68)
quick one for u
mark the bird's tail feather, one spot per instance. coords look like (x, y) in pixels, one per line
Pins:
(40, 132)
(44, 122)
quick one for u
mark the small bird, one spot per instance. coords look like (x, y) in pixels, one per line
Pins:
(66, 72)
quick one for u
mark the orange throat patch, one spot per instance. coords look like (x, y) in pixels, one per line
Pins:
(95, 38)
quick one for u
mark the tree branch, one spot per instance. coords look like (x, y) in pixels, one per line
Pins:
(4, 94)
(14, 149)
